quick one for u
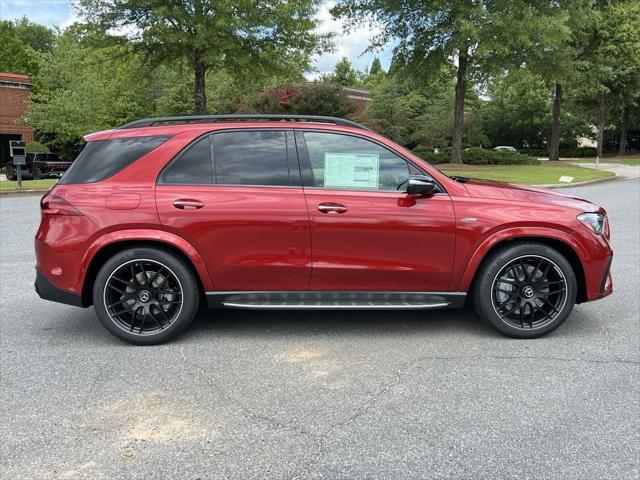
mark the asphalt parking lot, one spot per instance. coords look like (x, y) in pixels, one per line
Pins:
(311, 395)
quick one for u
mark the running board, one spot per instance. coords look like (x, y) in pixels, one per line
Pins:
(305, 300)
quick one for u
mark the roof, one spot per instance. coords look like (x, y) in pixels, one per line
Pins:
(15, 78)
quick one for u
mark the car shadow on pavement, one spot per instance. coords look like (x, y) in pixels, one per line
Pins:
(253, 323)
(81, 326)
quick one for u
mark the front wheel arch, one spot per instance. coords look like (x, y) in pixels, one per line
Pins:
(111, 249)
(564, 249)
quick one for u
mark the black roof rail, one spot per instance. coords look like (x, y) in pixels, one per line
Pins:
(150, 122)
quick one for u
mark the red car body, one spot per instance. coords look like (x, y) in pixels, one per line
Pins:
(256, 238)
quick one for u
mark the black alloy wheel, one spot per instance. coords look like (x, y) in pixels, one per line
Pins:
(143, 297)
(146, 295)
(525, 289)
(529, 292)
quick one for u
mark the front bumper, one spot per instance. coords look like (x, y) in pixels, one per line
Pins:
(48, 291)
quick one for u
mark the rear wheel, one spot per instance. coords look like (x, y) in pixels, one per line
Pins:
(525, 290)
(145, 296)
(10, 172)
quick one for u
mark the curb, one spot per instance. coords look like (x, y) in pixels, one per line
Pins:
(22, 192)
(578, 184)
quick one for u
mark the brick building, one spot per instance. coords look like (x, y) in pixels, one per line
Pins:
(359, 97)
(15, 92)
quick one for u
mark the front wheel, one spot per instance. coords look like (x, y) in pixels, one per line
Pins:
(145, 296)
(525, 290)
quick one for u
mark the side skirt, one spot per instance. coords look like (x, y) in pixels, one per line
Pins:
(336, 300)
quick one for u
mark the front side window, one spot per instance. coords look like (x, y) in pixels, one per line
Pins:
(101, 159)
(250, 158)
(348, 162)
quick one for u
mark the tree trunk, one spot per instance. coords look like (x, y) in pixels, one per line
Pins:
(554, 146)
(199, 95)
(458, 113)
(624, 130)
(601, 119)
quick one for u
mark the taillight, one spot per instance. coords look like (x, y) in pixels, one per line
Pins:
(56, 205)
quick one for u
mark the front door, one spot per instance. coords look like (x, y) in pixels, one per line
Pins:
(236, 197)
(367, 234)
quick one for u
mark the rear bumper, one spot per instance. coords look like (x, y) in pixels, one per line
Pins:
(48, 291)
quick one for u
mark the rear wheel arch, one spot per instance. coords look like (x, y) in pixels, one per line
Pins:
(111, 249)
(566, 250)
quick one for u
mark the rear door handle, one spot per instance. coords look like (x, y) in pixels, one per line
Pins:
(332, 208)
(188, 204)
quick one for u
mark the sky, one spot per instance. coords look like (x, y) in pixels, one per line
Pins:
(352, 45)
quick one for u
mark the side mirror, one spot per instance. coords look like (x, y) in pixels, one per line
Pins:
(421, 185)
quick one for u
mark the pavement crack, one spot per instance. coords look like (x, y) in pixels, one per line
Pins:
(359, 412)
(247, 412)
(402, 371)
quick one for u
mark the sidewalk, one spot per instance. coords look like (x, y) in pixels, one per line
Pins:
(620, 169)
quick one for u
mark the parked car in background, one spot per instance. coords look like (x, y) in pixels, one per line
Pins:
(162, 215)
(505, 148)
(38, 166)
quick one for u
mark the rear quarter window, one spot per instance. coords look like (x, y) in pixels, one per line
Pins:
(102, 159)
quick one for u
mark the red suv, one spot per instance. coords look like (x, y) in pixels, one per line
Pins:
(296, 212)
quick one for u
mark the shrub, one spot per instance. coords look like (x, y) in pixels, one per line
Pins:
(567, 152)
(303, 99)
(579, 152)
(481, 156)
(37, 147)
(535, 152)
(428, 155)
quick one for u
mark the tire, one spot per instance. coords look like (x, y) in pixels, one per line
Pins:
(145, 295)
(10, 172)
(36, 174)
(525, 290)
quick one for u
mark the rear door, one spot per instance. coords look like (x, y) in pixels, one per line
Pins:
(367, 233)
(236, 196)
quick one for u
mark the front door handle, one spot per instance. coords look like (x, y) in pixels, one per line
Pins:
(188, 204)
(332, 208)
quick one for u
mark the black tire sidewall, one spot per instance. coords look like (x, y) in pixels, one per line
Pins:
(10, 173)
(36, 174)
(191, 294)
(482, 293)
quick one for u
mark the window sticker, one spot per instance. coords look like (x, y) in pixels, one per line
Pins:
(351, 170)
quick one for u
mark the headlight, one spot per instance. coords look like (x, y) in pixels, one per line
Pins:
(595, 221)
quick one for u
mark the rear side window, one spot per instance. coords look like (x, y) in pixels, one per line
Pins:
(103, 158)
(250, 158)
(193, 166)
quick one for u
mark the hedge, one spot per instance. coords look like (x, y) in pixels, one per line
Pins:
(578, 152)
(477, 156)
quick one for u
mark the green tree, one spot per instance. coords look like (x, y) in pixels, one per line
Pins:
(376, 66)
(344, 74)
(210, 35)
(480, 35)
(15, 55)
(418, 112)
(609, 73)
(36, 36)
(81, 89)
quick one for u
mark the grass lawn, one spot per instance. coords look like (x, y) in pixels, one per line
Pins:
(544, 174)
(630, 160)
(28, 184)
